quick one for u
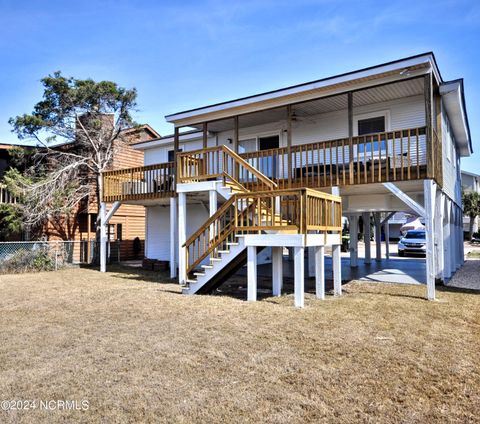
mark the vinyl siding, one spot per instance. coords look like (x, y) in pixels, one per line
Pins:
(451, 163)
(158, 228)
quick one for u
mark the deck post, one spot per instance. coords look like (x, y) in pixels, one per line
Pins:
(235, 133)
(289, 144)
(277, 270)
(350, 136)
(386, 227)
(447, 242)
(173, 231)
(337, 269)
(182, 231)
(103, 237)
(353, 244)
(438, 227)
(176, 144)
(429, 188)
(378, 236)
(366, 237)
(251, 273)
(320, 272)
(299, 276)
(205, 135)
(212, 204)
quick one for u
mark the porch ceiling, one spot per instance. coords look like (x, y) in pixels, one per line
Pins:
(383, 93)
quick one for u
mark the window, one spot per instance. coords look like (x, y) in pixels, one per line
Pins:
(371, 125)
(119, 231)
(171, 155)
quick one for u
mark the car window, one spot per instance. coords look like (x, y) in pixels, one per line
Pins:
(415, 235)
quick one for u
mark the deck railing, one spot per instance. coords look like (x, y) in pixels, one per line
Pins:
(221, 162)
(294, 210)
(6, 196)
(389, 156)
(144, 182)
(382, 157)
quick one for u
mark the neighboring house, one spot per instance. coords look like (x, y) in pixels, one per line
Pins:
(387, 139)
(470, 182)
(128, 221)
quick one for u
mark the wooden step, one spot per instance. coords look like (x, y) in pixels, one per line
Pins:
(199, 274)
(207, 266)
(223, 251)
(215, 259)
(190, 281)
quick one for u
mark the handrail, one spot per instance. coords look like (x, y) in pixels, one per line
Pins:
(220, 161)
(300, 210)
(141, 182)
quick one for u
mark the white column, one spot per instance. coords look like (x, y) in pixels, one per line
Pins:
(103, 237)
(447, 242)
(366, 237)
(337, 269)
(353, 245)
(387, 240)
(320, 272)
(277, 270)
(378, 236)
(251, 273)
(452, 240)
(182, 231)
(299, 276)
(173, 231)
(429, 189)
(438, 228)
(212, 201)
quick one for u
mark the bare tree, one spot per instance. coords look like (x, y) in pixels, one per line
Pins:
(78, 126)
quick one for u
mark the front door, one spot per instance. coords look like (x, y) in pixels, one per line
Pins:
(267, 163)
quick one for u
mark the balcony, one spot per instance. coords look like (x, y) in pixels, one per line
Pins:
(391, 156)
(140, 183)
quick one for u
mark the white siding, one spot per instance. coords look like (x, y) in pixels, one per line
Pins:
(158, 228)
(451, 163)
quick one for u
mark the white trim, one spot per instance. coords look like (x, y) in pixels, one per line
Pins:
(377, 114)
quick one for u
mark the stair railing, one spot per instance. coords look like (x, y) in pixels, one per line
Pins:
(293, 210)
(221, 162)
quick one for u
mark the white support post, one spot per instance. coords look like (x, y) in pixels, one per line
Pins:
(103, 237)
(337, 269)
(104, 219)
(447, 242)
(353, 245)
(212, 204)
(438, 228)
(378, 236)
(452, 240)
(366, 237)
(251, 273)
(173, 231)
(182, 231)
(320, 272)
(299, 276)
(387, 239)
(277, 270)
(429, 188)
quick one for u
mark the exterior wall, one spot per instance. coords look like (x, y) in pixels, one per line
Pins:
(408, 112)
(451, 163)
(158, 228)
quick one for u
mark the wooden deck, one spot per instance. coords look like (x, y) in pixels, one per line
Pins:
(392, 156)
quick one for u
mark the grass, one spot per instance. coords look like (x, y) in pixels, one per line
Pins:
(139, 351)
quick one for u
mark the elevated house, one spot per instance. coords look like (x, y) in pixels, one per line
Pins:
(279, 169)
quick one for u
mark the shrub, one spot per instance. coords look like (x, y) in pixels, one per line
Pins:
(24, 260)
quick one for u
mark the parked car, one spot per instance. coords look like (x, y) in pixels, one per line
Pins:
(412, 242)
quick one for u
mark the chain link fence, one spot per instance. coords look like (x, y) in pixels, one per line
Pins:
(28, 256)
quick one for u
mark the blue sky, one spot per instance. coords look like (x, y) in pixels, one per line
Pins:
(183, 54)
